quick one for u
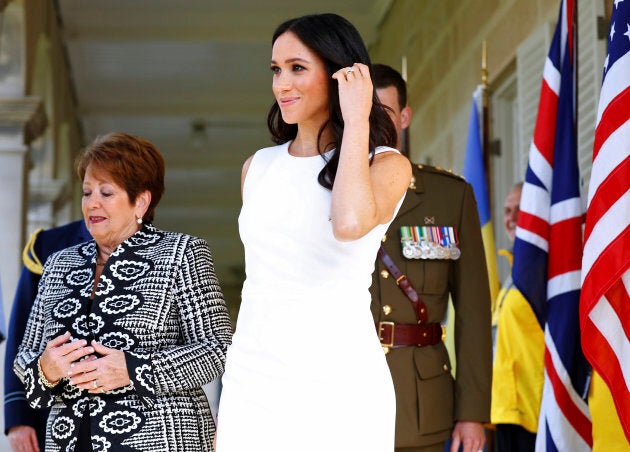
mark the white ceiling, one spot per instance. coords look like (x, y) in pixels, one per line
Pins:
(153, 67)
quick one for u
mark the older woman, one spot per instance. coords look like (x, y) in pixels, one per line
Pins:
(126, 328)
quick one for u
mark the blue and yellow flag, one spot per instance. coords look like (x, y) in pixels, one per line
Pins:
(475, 174)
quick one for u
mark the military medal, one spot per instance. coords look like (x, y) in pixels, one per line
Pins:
(455, 253)
(433, 243)
(454, 241)
(433, 251)
(442, 249)
(429, 242)
(407, 242)
(446, 242)
(425, 249)
(409, 251)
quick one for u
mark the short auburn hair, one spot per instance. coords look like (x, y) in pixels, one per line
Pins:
(132, 162)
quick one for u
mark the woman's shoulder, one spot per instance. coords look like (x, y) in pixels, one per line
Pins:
(262, 159)
(271, 151)
(386, 155)
(70, 256)
(382, 149)
(172, 238)
(172, 235)
(184, 250)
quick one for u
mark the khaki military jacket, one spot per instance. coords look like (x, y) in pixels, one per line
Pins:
(428, 399)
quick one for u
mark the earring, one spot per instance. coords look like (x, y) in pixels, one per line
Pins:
(139, 220)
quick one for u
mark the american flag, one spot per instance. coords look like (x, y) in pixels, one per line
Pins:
(605, 302)
(548, 247)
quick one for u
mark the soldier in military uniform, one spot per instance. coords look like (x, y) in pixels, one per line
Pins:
(436, 249)
(25, 426)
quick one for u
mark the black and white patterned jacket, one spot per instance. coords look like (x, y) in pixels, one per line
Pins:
(158, 299)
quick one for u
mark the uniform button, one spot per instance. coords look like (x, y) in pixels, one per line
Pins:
(384, 239)
(387, 309)
(384, 274)
(445, 367)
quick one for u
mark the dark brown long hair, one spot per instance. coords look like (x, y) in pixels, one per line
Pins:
(338, 43)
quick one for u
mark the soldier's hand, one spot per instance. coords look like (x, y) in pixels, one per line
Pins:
(469, 435)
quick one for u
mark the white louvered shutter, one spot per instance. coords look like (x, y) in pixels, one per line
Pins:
(591, 55)
(531, 55)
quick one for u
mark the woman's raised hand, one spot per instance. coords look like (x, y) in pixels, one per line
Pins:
(355, 92)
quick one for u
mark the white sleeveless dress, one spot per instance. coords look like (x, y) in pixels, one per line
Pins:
(305, 371)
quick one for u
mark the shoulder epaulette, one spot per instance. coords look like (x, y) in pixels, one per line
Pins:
(438, 170)
(29, 258)
(508, 255)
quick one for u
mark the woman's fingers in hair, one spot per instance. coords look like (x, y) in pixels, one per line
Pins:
(360, 69)
(345, 73)
(349, 73)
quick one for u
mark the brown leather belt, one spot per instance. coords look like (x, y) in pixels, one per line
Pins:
(404, 334)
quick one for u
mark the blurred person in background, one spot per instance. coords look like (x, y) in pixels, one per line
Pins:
(25, 426)
(518, 371)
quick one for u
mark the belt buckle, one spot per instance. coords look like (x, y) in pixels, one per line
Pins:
(389, 344)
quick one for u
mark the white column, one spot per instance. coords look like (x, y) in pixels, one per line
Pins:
(12, 215)
(21, 120)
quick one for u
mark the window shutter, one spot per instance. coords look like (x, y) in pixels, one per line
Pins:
(530, 59)
(531, 55)
(591, 55)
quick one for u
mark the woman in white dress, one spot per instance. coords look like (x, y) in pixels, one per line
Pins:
(306, 371)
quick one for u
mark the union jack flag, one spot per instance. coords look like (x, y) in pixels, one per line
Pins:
(605, 302)
(548, 247)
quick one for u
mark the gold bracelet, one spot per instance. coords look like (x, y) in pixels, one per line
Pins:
(43, 378)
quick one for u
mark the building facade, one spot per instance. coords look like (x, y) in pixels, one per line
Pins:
(438, 43)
